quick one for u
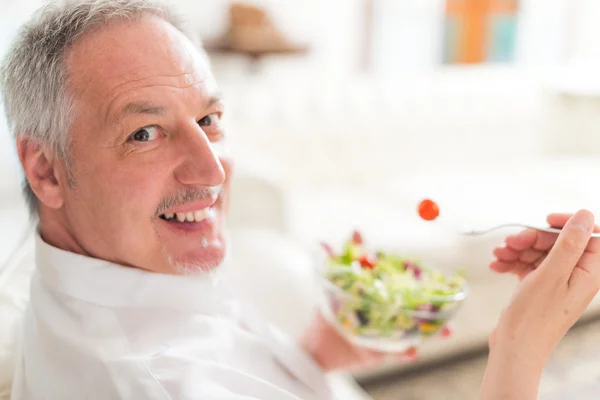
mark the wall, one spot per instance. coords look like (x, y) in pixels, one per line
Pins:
(331, 28)
(334, 28)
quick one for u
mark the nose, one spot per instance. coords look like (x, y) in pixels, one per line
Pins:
(201, 164)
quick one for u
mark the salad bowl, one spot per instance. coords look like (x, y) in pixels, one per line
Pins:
(383, 301)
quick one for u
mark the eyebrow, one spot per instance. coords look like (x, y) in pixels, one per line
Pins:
(214, 99)
(145, 108)
(140, 108)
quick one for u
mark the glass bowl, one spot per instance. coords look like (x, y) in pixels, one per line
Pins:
(383, 326)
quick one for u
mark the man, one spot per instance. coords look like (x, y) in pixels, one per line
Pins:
(117, 123)
(127, 170)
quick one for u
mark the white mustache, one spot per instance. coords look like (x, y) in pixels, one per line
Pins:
(190, 195)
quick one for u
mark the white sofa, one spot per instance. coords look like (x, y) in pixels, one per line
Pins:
(361, 153)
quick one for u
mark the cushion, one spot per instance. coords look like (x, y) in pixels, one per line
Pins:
(14, 219)
(14, 294)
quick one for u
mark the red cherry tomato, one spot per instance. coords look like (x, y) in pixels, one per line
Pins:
(446, 332)
(428, 210)
(357, 237)
(367, 261)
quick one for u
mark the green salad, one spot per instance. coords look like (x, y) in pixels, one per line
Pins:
(380, 294)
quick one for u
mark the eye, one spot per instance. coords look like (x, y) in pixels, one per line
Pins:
(209, 120)
(145, 134)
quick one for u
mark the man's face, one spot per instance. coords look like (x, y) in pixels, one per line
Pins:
(150, 174)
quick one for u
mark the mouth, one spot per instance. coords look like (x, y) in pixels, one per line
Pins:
(187, 217)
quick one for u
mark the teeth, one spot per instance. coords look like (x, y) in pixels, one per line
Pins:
(200, 215)
(191, 216)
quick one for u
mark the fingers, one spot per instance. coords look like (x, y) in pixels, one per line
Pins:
(526, 250)
(517, 262)
(364, 357)
(570, 245)
(531, 239)
(507, 255)
(502, 267)
(558, 220)
(531, 256)
(526, 239)
(541, 241)
(517, 268)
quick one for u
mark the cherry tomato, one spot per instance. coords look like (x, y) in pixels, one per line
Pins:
(428, 210)
(446, 332)
(357, 237)
(367, 261)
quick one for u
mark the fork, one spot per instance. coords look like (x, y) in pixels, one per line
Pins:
(480, 232)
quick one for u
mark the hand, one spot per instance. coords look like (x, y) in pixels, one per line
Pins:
(526, 250)
(553, 293)
(332, 351)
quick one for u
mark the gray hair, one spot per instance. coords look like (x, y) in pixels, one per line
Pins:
(33, 78)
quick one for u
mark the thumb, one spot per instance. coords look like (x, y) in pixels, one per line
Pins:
(570, 245)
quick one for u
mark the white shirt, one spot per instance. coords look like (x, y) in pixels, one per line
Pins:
(99, 331)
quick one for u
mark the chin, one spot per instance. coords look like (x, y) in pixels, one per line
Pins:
(201, 260)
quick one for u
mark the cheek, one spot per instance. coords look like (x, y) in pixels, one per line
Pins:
(119, 192)
(136, 192)
(116, 209)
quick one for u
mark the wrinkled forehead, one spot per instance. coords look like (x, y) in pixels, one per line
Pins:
(130, 55)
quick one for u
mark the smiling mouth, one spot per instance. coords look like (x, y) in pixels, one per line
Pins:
(186, 217)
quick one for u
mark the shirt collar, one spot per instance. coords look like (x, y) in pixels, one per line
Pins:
(107, 284)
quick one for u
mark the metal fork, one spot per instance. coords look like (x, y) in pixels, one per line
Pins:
(479, 232)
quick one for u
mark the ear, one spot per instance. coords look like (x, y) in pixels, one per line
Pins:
(39, 167)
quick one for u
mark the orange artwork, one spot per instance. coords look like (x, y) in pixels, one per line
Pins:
(473, 18)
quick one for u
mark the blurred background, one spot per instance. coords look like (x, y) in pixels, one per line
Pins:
(343, 114)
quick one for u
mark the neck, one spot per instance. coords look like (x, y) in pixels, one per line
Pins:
(53, 230)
